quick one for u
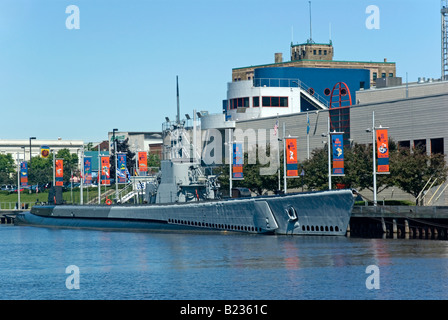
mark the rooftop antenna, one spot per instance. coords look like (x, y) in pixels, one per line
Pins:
(329, 31)
(311, 33)
(178, 108)
(444, 42)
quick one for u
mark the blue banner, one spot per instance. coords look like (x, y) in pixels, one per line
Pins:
(338, 154)
(238, 161)
(121, 164)
(87, 170)
(23, 174)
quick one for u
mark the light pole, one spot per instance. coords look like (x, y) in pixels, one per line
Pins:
(116, 168)
(328, 135)
(31, 138)
(373, 130)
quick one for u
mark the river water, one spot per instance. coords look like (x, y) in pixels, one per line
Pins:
(46, 263)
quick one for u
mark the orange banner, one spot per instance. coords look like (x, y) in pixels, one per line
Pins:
(142, 161)
(292, 166)
(382, 147)
(105, 170)
(59, 172)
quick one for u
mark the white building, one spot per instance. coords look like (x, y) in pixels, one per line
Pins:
(23, 149)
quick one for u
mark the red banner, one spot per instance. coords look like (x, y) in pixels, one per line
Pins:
(59, 172)
(382, 147)
(105, 170)
(292, 165)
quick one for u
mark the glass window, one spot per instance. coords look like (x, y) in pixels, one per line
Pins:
(325, 52)
(391, 75)
(283, 101)
(383, 75)
(375, 75)
(256, 102)
(275, 101)
(437, 146)
(320, 52)
(314, 52)
(266, 101)
(246, 102)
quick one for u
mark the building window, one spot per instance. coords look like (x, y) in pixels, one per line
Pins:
(375, 75)
(325, 52)
(391, 75)
(320, 52)
(239, 103)
(275, 101)
(420, 145)
(437, 146)
(314, 52)
(383, 75)
(256, 102)
(404, 144)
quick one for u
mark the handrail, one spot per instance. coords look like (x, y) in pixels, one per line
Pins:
(293, 83)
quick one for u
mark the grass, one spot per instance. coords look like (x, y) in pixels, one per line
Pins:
(9, 200)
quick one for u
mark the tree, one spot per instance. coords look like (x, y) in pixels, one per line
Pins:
(413, 169)
(253, 180)
(122, 147)
(40, 170)
(70, 163)
(7, 169)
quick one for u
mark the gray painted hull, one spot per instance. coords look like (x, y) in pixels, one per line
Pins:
(316, 213)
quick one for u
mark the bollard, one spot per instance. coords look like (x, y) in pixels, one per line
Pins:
(406, 226)
(394, 225)
(383, 225)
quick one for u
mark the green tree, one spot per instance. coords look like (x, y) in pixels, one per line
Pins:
(7, 169)
(40, 170)
(70, 163)
(412, 169)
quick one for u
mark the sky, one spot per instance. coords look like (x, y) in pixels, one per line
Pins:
(119, 68)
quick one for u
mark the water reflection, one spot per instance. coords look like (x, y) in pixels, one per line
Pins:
(127, 265)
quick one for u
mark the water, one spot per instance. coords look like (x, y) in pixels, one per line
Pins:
(162, 266)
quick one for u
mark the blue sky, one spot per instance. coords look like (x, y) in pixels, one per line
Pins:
(118, 70)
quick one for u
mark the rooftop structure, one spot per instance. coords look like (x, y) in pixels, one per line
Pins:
(318, 55)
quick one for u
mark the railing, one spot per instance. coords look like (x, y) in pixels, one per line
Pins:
(289, 83)
(13, 205)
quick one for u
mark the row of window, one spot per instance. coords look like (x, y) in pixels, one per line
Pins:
(436, 145)
(265, 102)
(383, 75)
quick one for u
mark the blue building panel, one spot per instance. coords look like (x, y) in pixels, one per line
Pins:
(317, 81)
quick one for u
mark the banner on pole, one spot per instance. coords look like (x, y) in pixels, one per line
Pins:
(292, 164)
(59, 172)
(44, 151)
(338, 154)
(121, 164)
(105, 171)
(23, 174)
(87, 170)
(238, 161)
(142, 162)
(382, 145)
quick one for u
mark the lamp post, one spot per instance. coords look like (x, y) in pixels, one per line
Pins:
(31, 138)
(116, 168)
(328, 135)
(373, 130)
